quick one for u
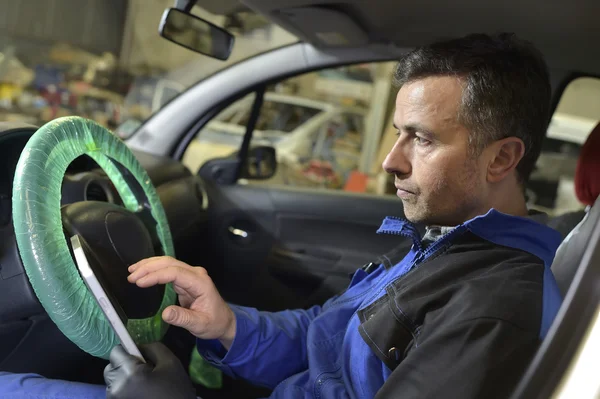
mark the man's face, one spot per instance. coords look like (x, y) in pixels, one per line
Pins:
(437, 178)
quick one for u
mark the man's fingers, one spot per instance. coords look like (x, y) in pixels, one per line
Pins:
(180, 291)
(185, 318)
(142, 262)
(185, 279)
(152, 265)
(155, 261)
(182, 294)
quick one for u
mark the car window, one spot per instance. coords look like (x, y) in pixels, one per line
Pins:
(276, 114)
(552, 184)
(107, 62)
(327, 128)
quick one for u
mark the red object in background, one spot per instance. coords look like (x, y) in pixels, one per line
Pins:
(357, 182)
(51, 95)
(320, 171)
(587, 174)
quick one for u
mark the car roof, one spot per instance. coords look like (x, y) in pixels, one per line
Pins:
(566, 31)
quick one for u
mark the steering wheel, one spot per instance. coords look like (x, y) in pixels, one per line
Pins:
(113, 236)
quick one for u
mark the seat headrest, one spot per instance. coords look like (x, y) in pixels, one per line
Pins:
(570, 252)
(587, 174)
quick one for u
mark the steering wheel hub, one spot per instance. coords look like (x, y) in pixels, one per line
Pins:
(123, 241)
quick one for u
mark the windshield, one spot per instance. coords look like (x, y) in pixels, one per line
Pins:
(108, 62)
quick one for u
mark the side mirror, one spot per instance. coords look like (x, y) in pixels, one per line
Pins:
(196, 34)
(261, 163)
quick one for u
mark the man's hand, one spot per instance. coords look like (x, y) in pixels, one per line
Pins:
(163, 376)
(202, 312)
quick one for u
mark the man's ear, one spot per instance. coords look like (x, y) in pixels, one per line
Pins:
(506, 155)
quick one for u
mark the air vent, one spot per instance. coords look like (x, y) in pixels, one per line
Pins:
(95, 192)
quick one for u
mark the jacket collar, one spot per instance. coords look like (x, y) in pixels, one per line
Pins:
(523, 233)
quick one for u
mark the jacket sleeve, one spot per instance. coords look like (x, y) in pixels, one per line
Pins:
(268, 347)
(479, 358)
(34, 386)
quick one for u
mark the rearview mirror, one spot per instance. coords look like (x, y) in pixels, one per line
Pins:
(261, 163)
(196, 34)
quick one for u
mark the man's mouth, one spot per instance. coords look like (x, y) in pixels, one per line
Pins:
(403, 193)
(400, 188)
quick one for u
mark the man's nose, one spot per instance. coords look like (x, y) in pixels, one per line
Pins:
(397, 160)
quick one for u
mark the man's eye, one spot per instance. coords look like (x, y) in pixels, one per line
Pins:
(421, 141)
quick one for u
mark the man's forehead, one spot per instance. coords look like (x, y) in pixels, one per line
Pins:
(436, 93)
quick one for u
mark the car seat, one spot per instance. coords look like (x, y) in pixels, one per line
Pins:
(587, 189)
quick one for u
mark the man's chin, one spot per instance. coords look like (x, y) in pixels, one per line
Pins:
(413, 216)
(417, 215)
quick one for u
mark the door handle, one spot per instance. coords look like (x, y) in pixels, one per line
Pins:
(238, 233)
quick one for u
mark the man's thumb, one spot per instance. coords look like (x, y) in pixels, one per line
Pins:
(181, 317)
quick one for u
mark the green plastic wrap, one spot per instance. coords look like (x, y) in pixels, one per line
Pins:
(203, 373)
(42, 244)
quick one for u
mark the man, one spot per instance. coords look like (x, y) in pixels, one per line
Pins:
(458, 316)
(460, 313)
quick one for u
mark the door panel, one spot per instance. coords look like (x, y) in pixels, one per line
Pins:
(276, 248)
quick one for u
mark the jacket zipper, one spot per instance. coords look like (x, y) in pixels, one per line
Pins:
(423, 255)
(436, 246)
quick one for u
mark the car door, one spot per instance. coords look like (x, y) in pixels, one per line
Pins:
(294, 240)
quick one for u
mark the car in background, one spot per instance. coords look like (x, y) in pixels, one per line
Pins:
(314, 140)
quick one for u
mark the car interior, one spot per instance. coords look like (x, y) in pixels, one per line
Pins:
(274, 247)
